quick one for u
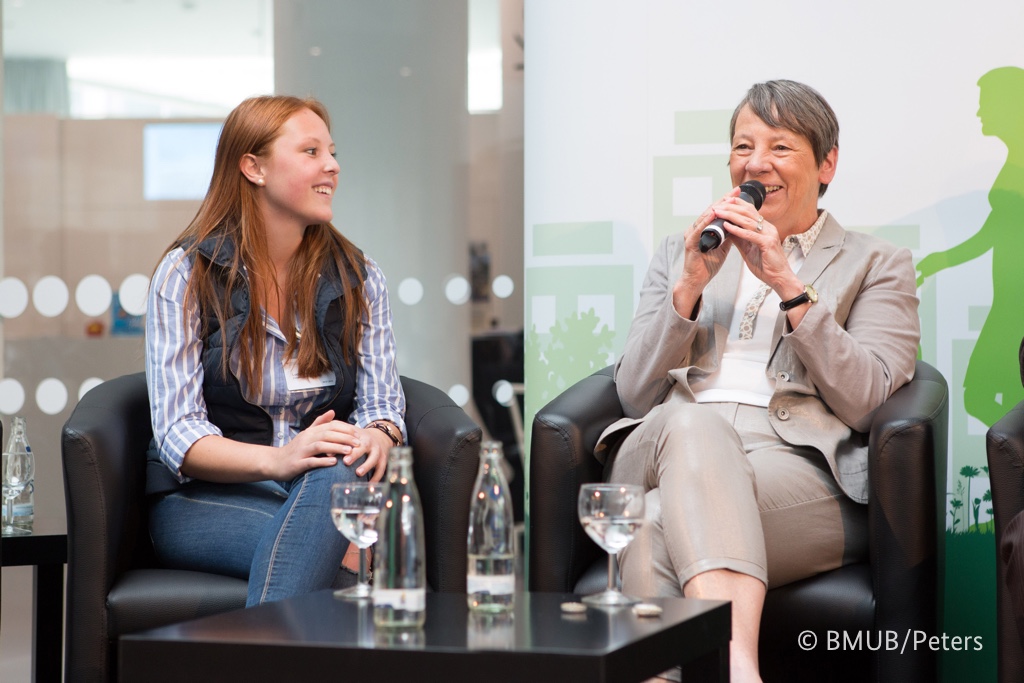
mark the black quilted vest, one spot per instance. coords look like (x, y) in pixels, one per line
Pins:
(226, 406)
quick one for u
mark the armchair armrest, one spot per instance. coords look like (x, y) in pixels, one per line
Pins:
(103, 449)
(565, 432)
(906, 514)
(1005, 446)
(446, 454)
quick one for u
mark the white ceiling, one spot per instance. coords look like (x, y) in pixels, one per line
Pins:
(107, 28)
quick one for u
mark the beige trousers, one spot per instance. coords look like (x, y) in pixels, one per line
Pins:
(726, 492)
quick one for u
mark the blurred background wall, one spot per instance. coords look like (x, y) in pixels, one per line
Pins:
(111, 111)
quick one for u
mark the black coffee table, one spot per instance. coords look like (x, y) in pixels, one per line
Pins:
(316, 637)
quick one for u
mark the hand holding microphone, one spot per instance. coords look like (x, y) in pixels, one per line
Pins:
(712, 235)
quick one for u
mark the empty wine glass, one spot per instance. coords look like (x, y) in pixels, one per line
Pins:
(17, 474)
(611, 515)
(354, 509)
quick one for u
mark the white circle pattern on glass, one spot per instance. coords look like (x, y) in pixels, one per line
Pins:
(460, 394)
(410, 291)
(51, 396)
(93, 295)
(457, 290)
(50, 296)
(503, 391)
(13, 297)
(503, 286)
(12, 396)
(88, 384)
(132, 294)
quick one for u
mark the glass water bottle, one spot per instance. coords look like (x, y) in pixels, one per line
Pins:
(399, 560)
(24, 504)
(491, 561)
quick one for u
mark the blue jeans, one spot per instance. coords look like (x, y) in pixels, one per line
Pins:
(278, 535)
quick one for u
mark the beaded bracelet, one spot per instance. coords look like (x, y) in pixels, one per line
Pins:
(387, 430)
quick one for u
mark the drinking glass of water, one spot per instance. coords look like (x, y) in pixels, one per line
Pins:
(354, 509)
(611, 515)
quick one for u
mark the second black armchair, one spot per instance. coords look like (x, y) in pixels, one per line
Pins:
(899, 589)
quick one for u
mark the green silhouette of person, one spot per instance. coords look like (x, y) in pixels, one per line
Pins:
(992, 383)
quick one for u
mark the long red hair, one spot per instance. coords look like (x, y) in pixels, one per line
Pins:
(230, 211)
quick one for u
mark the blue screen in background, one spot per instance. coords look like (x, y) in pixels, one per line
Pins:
(177, 159)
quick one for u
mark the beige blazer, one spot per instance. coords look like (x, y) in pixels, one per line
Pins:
(851, 351)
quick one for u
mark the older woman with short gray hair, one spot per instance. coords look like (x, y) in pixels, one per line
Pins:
(751, 372)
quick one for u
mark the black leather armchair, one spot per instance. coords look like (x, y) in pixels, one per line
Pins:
(899, 589)
(114, 584)
(1004, 444)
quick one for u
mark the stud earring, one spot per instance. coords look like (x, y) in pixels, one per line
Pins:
(259, 181)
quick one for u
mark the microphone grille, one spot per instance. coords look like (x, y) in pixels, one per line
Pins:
(755, 190)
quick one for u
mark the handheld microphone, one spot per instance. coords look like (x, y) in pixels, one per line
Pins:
(712, 235)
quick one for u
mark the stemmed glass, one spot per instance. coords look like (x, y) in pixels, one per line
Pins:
(354, 509)
(611, 515)
(17, 474)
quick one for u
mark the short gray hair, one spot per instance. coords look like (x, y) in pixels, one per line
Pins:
(796, 107)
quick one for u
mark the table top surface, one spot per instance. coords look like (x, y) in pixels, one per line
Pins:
(47, 544)
(536, 624)
(303, 637)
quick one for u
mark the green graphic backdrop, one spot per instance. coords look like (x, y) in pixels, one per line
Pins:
(986, 379)
(568, 339)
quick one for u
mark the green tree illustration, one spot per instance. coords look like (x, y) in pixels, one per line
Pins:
(970, 473)
(577, 348)
(987, 497)
(956, 504)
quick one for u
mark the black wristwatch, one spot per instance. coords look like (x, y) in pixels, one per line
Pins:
(807, 296)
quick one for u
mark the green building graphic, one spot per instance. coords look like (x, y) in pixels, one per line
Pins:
(577, 315)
